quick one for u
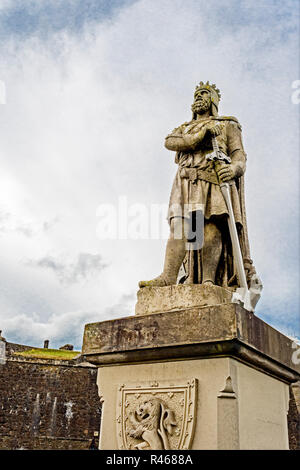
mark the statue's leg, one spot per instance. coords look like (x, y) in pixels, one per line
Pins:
(211, 252)
(174, 255)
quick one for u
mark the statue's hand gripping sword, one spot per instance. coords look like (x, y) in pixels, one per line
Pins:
(221, 159)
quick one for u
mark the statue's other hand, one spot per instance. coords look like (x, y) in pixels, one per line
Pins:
(225, 173)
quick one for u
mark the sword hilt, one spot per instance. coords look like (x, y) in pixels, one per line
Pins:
(215, 144)
(217, 155)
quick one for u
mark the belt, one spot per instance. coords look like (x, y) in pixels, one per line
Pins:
(194, 174)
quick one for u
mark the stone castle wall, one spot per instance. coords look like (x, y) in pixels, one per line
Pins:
(46, 404)
(294, 417)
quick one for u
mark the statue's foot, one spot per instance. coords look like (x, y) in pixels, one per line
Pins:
(159, 281)
(208, 282)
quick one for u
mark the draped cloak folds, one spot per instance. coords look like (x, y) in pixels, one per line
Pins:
(202, 194)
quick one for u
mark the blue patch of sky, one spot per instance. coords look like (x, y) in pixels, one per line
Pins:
(237, 13)
(283, 317)
(43, 18)
(231, 16)
(283, 314)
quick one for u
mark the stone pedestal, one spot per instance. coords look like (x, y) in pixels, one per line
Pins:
(178, 297)
(208, 377)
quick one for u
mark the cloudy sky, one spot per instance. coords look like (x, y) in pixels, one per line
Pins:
(92, 88)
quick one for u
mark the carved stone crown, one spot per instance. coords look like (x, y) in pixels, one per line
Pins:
(212, 88)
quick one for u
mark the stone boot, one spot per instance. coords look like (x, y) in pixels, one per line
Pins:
(175, 252)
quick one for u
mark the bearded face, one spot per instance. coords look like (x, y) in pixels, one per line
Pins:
(202, 102)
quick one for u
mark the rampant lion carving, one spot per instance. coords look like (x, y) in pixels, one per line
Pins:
(152, 421)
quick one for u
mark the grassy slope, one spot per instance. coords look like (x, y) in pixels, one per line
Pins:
(42, 353)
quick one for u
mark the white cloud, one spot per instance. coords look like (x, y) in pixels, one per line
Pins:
(59, 328)
(85, 121)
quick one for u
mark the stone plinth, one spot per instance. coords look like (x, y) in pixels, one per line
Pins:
(178, 297)
(214, 377)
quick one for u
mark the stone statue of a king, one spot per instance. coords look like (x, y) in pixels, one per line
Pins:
(197, 203)
(194, 357)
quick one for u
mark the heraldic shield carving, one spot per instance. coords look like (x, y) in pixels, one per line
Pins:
(156, 416)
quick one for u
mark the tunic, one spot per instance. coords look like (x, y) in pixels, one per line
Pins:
(200, 194)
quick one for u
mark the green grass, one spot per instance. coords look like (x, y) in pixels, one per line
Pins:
(42, 353)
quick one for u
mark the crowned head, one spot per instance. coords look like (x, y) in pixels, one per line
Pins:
(206, 98)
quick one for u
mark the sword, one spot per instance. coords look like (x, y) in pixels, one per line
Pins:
(219, 157)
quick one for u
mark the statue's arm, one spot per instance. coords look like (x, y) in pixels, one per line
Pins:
(236, 149)
(179, 142)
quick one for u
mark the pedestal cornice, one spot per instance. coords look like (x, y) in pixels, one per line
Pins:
(212, 331)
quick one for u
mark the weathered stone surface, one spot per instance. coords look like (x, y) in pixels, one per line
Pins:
(207, 331)
(46, 404)
(161, 330)
(213, 346)
(296, 394)
(178, 297)
(250, 414)
(294, 417)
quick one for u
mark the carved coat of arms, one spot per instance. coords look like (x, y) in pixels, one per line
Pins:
(156, 416)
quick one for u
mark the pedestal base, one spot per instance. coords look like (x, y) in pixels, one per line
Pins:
(178, 297)
(204, 378)
(234, 406)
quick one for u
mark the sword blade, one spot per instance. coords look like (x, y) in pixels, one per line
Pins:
(236, 248)
(237, 255)
(215, 147)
